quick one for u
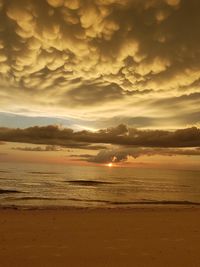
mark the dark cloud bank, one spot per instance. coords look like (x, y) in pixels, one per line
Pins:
(126, 142)
(120, 135)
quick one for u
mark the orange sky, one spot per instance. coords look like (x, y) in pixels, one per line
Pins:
(10, 153)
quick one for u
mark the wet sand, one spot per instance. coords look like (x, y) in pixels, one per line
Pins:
(148, 236)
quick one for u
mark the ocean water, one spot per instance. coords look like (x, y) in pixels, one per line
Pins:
(31, 185)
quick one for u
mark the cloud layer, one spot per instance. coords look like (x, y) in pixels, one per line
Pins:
(38, 148)
(120, 135)
(101, 59)
(122, 154)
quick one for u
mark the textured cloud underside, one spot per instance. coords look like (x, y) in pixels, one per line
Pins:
(117, 57)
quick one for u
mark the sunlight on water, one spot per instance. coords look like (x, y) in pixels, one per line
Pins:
(49, 185)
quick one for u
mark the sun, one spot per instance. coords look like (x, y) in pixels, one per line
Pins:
(110, 164)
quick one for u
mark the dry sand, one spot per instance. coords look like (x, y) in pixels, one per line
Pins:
(158, 236)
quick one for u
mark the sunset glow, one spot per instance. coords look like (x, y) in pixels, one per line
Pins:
(99, 114)
(100, 83)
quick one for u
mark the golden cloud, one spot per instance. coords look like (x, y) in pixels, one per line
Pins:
(56, 55)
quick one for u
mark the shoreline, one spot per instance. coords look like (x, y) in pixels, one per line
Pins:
(145, 206)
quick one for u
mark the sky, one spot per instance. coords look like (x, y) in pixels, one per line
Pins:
(114, 80)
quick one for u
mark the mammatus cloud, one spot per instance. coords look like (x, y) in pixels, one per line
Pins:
(120, 135)
(107, 58)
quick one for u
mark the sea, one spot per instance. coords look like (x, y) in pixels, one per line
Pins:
(53, 186)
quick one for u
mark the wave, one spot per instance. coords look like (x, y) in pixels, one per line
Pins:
(37, 172)
(37, 198)
(162, 202)
(88, 182)
(107, 204)
(8, 191)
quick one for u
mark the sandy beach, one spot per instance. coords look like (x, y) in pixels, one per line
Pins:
(145, 236)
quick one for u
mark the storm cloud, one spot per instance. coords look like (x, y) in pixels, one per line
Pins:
(120, 135)
(101, 59)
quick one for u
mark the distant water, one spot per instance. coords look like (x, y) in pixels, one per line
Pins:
(32, 185)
